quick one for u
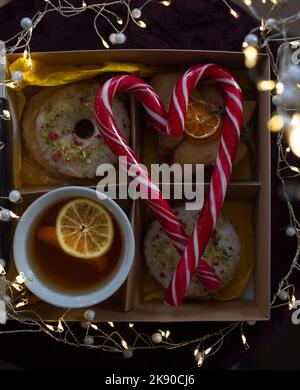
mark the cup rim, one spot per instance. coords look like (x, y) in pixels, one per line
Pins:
(49, 294)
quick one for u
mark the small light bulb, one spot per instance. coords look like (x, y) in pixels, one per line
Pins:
(142, 24)
(207, 351)
(266, 85)
(234, 13)
(292, 302)
(290, 231)
(276, 123)
(50, 327)
(199, 359)
(60, 327)
(248, 2)
(89, 315)
(166, 3)
(88, 340)
(294, 135)
(196, 352)
(156, 338)
(25, 54)
(20, 278)
(131, 325)
(6, 114)
(104, 43)
(279, 88)
(295, 169)
(17, 287)
(94, 326)
(120, 21)
(2, 270)
(244, 340)
(124, 344)
(251, 55)
(111, 324)
(22, 303)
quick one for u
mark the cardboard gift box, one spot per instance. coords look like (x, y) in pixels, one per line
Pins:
(128, 304)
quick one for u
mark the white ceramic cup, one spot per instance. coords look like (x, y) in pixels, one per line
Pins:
(40, 288)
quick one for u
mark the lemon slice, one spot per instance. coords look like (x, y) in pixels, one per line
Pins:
(200, 123)
(84, 229)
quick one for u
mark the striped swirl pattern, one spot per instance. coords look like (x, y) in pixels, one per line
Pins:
(172, 124)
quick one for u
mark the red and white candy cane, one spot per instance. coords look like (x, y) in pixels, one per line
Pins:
(119, 146)
(222, 171)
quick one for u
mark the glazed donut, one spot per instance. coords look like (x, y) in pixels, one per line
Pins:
(222, 252)
(60, 130)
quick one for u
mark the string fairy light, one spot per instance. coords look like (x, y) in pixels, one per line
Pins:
(65, 9)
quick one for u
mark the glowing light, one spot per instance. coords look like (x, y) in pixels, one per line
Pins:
(166, 3)
(131, 325)
(200, 359)
(167, 334)
(2, 270)
(295, 44)
(244, 340)
(17, 287)
(119, 21)
(6, 114)
(124, 344)
(196, 352)
(234, 13)
(288, 149)
(293, 135)
(142, 24)
(50, 327)
(104, 43)
(20, 278)
(22, 303)
(295, 169)
(276, 123)
(207, 351)
(94, 326)
(25, 54)
(279, 88)
(250, 53)
(262, 28)
(111, 324)
(60, 327)
(266, 85)
(292, 302)
(248, 2)
(83, 4)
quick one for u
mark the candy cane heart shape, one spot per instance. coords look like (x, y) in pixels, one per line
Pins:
(119, 146)
(222, 171)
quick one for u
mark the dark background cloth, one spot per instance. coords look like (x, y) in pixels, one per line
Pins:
(188, 24)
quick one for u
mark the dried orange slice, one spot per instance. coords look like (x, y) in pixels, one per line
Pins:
(84, 229)
(200, 123)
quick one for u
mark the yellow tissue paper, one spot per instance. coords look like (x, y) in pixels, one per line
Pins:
(44, 75)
